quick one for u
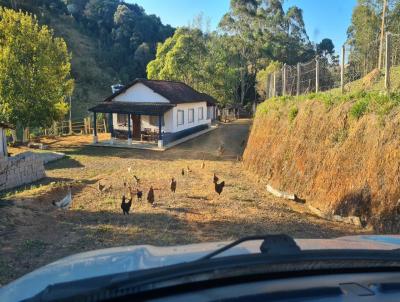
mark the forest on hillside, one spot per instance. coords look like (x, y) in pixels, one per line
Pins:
(112, 41)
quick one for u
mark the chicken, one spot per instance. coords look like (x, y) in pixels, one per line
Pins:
(139, 194)
(150, 196)
(203, 164)
(64, 203)
(219, 187)
(215, 179)
(173, 185)
(183, 172)
(188, 169)
(126, 206)
(100, 187)
(129, 169)
(137, 179)
(221, 150)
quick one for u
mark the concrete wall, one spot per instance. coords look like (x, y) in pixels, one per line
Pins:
(140, 93)
(19, 170)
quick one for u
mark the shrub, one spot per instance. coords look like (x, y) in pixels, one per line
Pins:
(293, 113)
(359, 108)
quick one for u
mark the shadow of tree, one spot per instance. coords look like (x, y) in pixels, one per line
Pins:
(64, 163)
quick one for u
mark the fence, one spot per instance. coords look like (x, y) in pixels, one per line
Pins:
(320, 74)
(84, 126)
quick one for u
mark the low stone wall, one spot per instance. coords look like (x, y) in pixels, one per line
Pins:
(21, 169)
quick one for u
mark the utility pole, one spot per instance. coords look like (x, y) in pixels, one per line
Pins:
(382, 34)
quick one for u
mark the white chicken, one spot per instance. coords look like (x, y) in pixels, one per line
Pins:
(64, 203)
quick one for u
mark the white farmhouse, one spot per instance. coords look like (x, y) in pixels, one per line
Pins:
(156, 111)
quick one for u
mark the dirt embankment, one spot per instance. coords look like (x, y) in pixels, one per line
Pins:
(339, 164)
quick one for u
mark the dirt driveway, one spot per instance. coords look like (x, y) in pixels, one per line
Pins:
(33, 232)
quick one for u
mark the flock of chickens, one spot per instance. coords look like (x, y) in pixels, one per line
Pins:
(126, 203)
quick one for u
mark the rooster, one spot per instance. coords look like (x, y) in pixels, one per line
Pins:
(219, 187)
(64, 203)
(215, 179)
(137, 179)
(150, 196)
(173, 185)
(126, 206)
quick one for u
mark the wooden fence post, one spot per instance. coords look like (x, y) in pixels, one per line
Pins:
(316, 75)
(298, 79)
(342, 69)
(387, 60)
(274, 85)
(70, 127)
(284, 79)
(105, 125)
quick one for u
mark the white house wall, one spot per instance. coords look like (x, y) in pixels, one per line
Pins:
(140, 93)
(186, 125)
(3, 143)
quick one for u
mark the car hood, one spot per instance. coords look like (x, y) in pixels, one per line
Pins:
(133, 258)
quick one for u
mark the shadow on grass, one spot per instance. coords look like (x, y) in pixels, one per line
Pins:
(64, 163)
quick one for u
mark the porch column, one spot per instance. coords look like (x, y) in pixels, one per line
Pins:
(111, 127)
(160, 139)
(95, 140)
(129, 130)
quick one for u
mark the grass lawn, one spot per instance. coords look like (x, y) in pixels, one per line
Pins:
(33, 232)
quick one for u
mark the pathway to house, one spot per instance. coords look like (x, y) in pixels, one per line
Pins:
(33, 232)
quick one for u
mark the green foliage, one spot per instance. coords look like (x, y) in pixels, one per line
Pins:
(359, 108)
(293, 111)
(34, 71)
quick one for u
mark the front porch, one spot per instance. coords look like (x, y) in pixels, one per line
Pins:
(130, 132)
(143, 145)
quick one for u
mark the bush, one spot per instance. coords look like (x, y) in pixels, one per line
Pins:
(359, 108)
(293, 113)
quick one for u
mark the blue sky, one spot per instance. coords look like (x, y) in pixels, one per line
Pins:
(323, 18)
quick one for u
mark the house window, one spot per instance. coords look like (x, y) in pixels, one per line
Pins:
(200, 112)
(209, 112)
(191, 116)
(181, 117)
(153, 120)
(122, 119)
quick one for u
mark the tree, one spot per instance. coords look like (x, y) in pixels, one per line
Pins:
(34, 71)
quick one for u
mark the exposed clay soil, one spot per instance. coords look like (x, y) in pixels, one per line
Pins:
(338, 164)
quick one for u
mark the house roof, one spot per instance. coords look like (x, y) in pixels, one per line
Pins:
(131, 107)
(175, 92)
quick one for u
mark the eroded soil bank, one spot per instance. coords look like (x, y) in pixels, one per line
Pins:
(339, 164)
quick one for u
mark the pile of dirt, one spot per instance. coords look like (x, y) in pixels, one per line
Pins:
(338, 164)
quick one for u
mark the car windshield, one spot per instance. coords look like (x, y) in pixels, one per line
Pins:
(139, 134)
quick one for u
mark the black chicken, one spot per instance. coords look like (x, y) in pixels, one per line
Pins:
(219, 187)
(126, 206)
(183, 172)
(139, 194)
(100, 187)
(215, 179)
(173, 185)
(137, 179)
(150, 196)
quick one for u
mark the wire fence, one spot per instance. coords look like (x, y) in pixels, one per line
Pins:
(356, 67)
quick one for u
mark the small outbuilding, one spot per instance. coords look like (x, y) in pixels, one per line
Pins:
(3, 139)
(156, 111)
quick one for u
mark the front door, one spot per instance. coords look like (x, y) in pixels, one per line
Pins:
(136, 126)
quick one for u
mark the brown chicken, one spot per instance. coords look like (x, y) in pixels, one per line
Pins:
(150, 196)
(173, 185)
(215, 178)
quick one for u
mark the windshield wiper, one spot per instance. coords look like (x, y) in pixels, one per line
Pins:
(279, 244)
